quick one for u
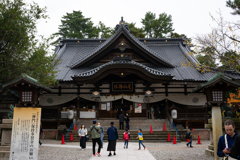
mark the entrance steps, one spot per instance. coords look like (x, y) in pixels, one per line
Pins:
(135, 123)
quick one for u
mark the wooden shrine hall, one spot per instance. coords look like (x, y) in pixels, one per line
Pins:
(97, 77)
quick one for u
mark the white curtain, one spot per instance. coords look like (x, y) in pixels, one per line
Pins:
(52, 100)
(190, 99)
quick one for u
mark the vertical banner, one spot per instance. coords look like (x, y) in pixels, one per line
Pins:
(25, 133)
(138, 107)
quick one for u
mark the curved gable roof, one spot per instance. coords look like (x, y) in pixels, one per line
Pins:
(79, 60)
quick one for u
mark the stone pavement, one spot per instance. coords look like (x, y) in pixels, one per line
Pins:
(132, 153)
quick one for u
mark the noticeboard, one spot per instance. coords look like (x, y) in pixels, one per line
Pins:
(138, 107)
(25, 133)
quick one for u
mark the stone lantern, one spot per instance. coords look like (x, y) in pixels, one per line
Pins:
(215, 90)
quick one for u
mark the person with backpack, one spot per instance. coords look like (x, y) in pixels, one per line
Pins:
(95, 134)
(189, 136)
(126, 137)
(226, 141)
(112, 139)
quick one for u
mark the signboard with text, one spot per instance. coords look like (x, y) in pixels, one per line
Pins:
(25, 133)
(122, 86)
(138, 107)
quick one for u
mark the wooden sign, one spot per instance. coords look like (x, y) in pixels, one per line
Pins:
(122, 86)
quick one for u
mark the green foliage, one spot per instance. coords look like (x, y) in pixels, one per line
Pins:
(206, 57)
(136, 32)
(235, 5)
(104, 31)
(176, 35)
(229, 60)
(20, 51)
(157, 27)
(75, 25)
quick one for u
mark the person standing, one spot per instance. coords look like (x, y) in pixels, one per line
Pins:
(82, 132)
(127, 121)
(152, 112)
(121, 122)
(226, 141)
(95, 134)
(126, 137)
(234, 152)
(112, 139)
(119, 111)
(140, 138)
(41, 132)
(190, 136)
(102, 133)
(125, 109)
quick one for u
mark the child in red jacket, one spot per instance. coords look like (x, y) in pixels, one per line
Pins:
(126, 137)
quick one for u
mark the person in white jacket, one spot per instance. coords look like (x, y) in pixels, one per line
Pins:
(82, 132)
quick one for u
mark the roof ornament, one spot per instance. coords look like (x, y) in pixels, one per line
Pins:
(121, 24)
(122, 57)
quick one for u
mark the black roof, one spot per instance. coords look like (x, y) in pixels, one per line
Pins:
(173, 53)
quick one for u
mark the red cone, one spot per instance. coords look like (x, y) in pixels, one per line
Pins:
(188, 140)
(63, 142)
(71, 138)
(174, 140)
(75, 128)
(151, 131)
(168, 139)
(164, 127)
(199, 140)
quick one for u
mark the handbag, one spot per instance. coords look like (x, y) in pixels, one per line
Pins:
(87, 137)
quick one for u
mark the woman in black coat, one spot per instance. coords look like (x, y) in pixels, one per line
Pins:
(235, 149)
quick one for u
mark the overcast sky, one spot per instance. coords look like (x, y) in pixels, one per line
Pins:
(189, 17)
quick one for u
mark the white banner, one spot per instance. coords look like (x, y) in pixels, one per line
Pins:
(25, 133)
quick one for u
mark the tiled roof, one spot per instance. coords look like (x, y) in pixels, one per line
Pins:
(169, 51)
(25, 78)
(122, 62)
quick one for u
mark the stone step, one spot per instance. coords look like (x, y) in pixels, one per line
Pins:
(210, 147)
(209, 152)
(4, 148)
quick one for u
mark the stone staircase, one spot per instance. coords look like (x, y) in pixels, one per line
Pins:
(157, 125)
(209, 151)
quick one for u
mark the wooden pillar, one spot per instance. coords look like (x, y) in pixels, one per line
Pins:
(216, 128)
(186, 124)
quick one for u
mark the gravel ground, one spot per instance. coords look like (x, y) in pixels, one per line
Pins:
(54, 153)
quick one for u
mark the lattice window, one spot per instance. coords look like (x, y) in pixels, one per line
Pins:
(26, 96)
(217, 96)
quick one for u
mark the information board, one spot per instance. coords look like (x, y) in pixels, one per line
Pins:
(138, 107)
(25, 133)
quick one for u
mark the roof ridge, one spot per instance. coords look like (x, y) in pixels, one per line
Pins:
(148, 69)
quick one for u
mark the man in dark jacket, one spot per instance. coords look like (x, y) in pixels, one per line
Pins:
(112, 138)
(224, 146)
(127, 121)
(235, 149)
(119, 111)
(121, 122)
